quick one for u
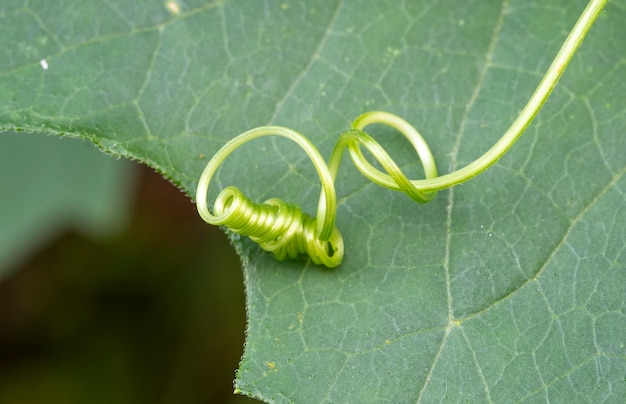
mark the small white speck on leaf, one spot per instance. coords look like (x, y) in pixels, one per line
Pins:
(44, 64)
(173, 7)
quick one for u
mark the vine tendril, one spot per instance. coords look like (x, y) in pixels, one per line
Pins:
(283, 229)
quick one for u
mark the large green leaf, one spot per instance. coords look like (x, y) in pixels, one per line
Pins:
(508, 288)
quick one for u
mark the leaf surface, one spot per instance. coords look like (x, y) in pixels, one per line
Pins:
(508, 288)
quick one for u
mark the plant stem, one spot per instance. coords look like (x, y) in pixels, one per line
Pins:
(536, 101)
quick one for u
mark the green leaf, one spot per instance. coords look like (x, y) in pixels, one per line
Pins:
(508, 288)
(50, 185)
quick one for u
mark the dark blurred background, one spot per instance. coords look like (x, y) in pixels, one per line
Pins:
(150, 313)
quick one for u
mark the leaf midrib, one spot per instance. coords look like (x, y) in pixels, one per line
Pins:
(450, 205)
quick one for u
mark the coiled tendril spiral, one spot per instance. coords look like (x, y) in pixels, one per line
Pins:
(278, 227)
(283, 229)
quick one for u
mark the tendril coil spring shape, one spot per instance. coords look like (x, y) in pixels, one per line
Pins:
(284, 230)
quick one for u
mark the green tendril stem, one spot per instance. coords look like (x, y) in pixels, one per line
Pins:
(536, 101)
(282, 228)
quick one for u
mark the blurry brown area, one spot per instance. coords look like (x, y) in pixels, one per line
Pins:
(154, 314)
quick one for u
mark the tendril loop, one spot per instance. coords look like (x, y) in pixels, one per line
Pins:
(282, 228)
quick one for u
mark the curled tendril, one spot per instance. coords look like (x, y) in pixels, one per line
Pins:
(283, 229)
(279, 227)
(275, 225)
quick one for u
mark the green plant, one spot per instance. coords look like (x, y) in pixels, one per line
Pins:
(283, 229)
(508, 288)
